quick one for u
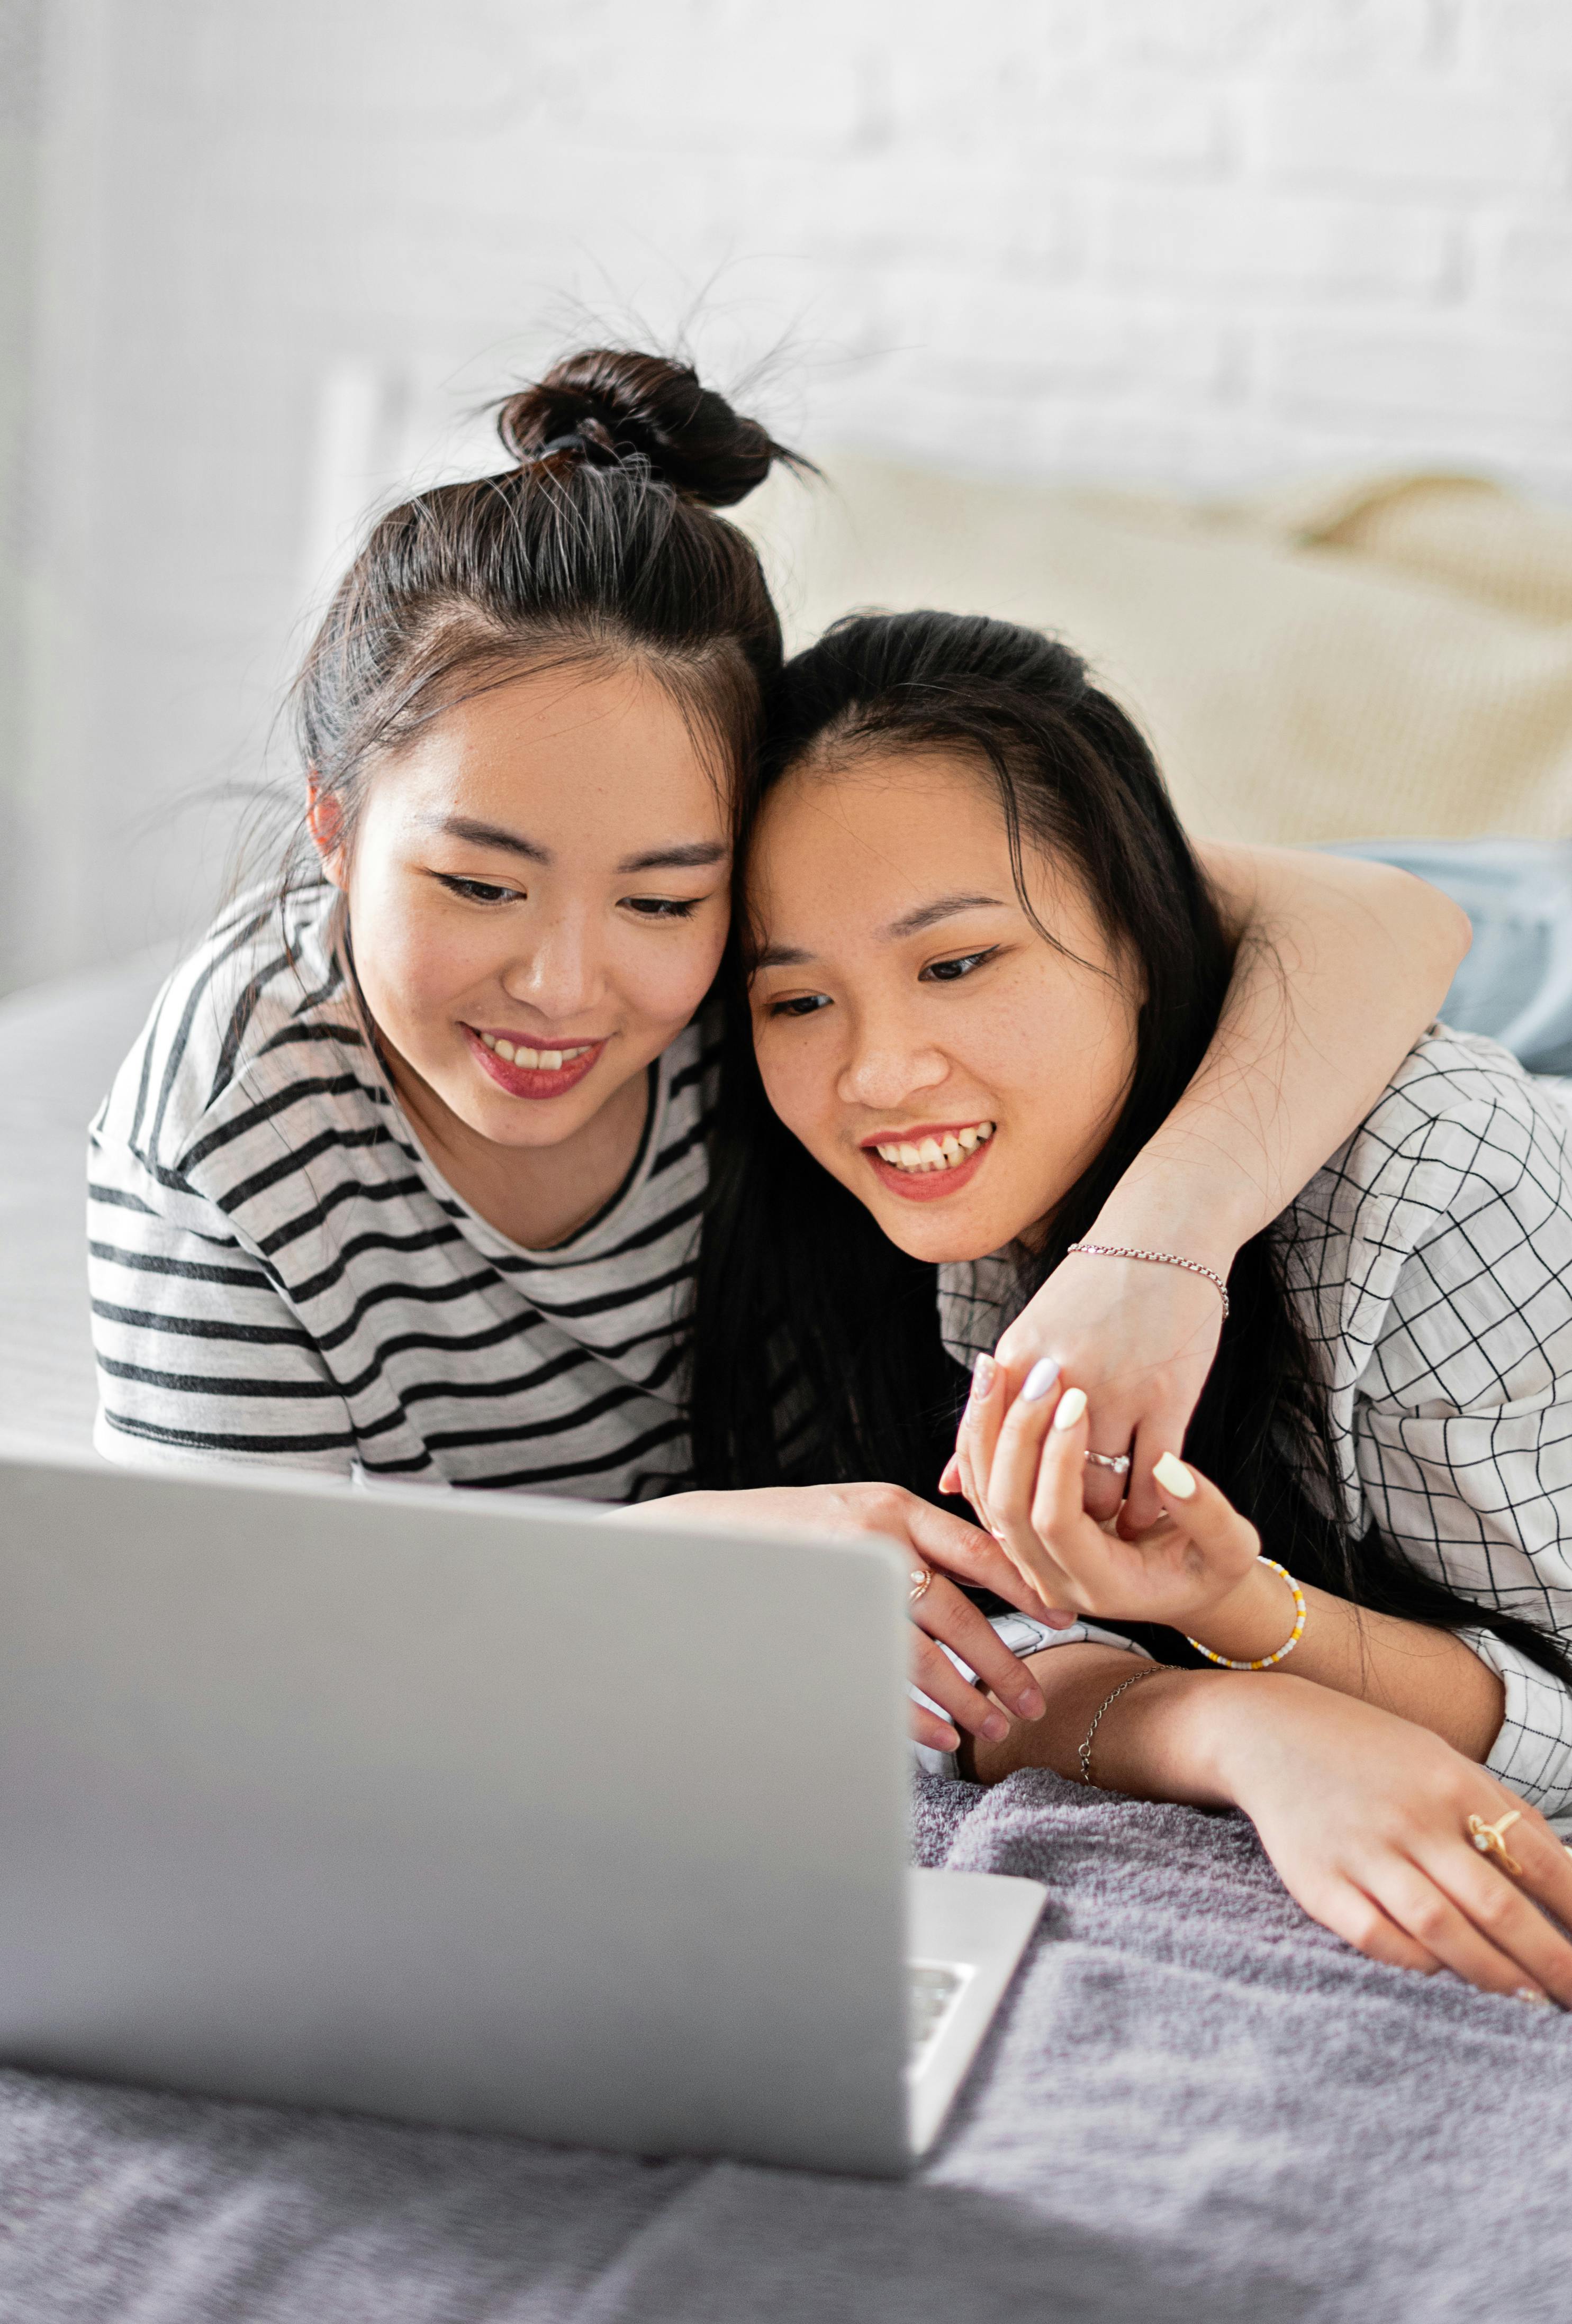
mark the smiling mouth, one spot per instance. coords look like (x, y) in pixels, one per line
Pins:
(525, 1072)
(537, 1061)
(936, 1152)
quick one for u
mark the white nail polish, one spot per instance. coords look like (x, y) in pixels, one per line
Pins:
(982, 1372)
(1528, 1993)
(1040, 1380)
(1174, 1478)
(1071, 1406)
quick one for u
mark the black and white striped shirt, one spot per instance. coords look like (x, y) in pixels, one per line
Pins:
(280, 1275)
(1431, 1263)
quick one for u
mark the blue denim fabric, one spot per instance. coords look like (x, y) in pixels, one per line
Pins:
(1516, 984)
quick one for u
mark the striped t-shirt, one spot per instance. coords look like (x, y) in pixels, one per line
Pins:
(280, 1275)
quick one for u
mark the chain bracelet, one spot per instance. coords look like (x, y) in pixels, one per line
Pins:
(1085, 1754)
(1157, 1258)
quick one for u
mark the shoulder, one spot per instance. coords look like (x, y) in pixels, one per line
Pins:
(1462, 1153)
(1460, 1122)
(255, 1029)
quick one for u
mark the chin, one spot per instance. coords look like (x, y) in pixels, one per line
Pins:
(941, 1242)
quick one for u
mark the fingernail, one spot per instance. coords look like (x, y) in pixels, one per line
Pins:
(982, 1376)
(995, 1727)
(1531, 1992)
(1040, 1380)
(1029, 1703)
(1071, 1404)
(1174, 1476)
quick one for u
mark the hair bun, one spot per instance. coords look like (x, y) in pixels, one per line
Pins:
(622, 406)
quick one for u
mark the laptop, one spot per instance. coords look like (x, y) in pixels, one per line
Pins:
(479, 1810)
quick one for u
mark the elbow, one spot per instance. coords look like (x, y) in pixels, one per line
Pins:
(1437, 932)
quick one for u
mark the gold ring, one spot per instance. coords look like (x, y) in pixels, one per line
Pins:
(1490, 1839)
(921, 1576)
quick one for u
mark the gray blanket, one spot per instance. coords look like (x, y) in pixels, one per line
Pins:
(1194, 2105)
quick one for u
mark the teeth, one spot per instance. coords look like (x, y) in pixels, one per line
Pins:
(936, 1153)
(546, 1061)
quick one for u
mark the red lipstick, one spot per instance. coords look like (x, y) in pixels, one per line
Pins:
(925, 1185)
(532, 1081)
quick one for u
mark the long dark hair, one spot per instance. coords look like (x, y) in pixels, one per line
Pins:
(598, 541)
(817, 1349)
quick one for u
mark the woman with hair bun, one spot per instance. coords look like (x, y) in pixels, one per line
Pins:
(405, 1176)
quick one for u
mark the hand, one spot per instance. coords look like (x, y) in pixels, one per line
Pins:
(1196, 1569)
(1140, 1339)
(939, 1544)
(1366, 1819)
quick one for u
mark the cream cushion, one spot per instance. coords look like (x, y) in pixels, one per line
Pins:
(1346, 660)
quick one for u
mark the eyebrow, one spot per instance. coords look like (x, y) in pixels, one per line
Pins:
(926, 916)
(690, 855)
(489, 835)
(685, 855)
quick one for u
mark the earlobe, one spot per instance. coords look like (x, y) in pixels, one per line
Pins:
(325, 822)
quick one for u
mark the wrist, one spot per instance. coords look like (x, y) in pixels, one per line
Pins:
(1172, 1204)
(1218, 1727)
(1163, 1741)
(1249, 1621)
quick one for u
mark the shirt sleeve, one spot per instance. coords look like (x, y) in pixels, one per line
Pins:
(1532, 1754)
(200, 1358)
(1023, 1637)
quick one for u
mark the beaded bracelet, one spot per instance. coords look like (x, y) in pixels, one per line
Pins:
(1264, 1662)
(1157, 1257)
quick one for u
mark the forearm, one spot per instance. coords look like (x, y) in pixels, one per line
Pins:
(1152, 1743)
(1428, 1676)
(1335, 979)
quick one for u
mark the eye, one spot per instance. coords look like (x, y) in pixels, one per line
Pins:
(663, 908)
(477, 891)
(949, 971)
(804, 1004)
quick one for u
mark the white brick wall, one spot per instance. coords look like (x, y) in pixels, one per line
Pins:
(1200, 240)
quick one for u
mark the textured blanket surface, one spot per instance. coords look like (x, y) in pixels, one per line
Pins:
(1194, 2105)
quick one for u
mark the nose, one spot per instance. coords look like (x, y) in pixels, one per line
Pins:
(887, 1065)
(561, 975)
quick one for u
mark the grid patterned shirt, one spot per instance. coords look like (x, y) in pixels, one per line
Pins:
(280, 1275)
(1431, 1263)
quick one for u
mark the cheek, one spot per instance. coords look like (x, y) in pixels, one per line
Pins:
(798, 1078)
(410, 956)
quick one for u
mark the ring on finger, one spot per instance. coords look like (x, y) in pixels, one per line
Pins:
(1490, 1839)
(921, 1579)
(1119, 1463)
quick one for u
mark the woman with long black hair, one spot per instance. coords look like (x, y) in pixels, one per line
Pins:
(982, 961)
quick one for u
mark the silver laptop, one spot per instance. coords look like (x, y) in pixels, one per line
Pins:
(476, 1809)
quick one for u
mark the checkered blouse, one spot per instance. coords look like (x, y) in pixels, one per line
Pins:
(1432, 1259)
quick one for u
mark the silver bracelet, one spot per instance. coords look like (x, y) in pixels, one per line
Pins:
(1085, 1754)
(1158, 1258)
